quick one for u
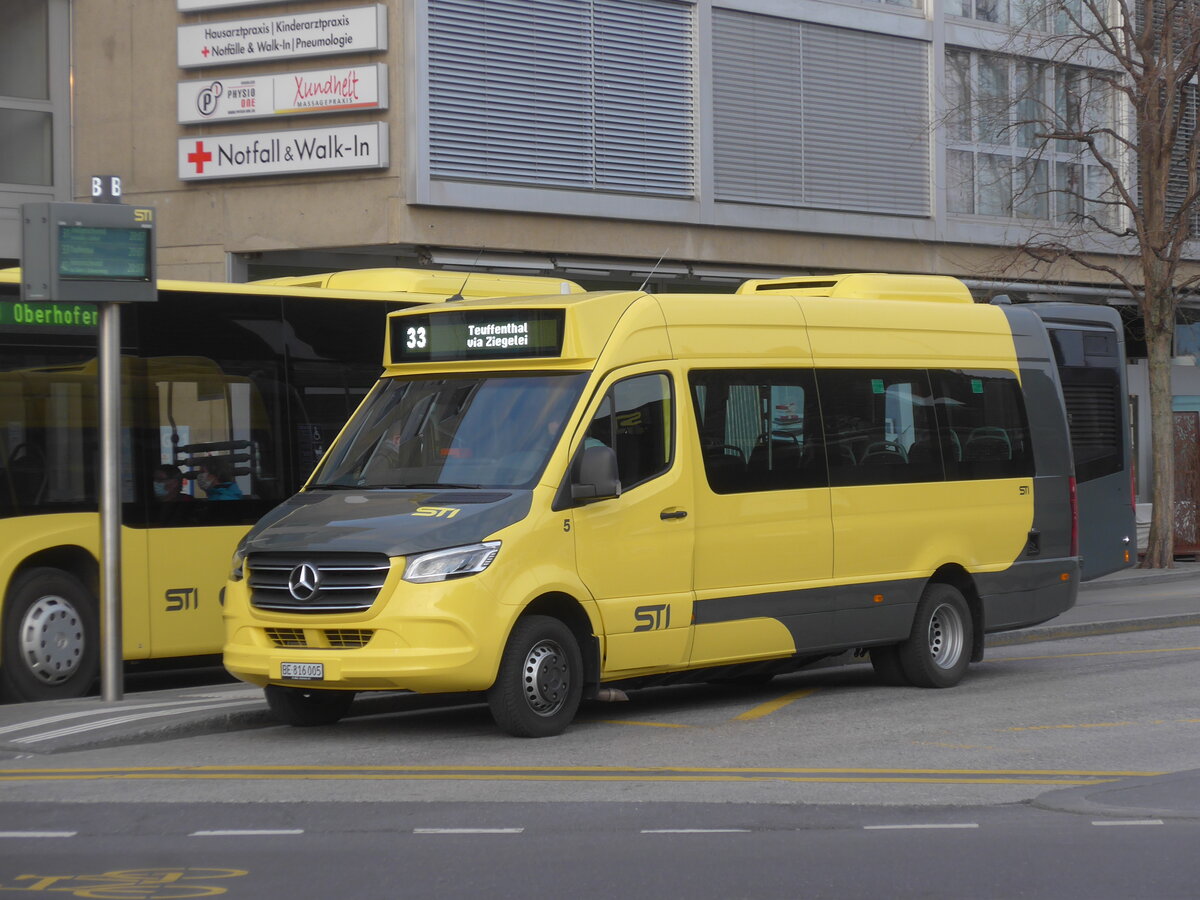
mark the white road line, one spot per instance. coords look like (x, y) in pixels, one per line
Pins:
(122, 720)
(38, 834)
(468, 830)
(1129, 822)
(917, 827)
(246, 832)
(103, 711)
(695, 831)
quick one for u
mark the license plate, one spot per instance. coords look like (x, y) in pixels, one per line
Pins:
(302, 671)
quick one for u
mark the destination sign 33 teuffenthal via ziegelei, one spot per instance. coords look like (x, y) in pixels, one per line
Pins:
(283, 152)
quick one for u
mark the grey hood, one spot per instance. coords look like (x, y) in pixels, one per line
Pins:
(392, 522)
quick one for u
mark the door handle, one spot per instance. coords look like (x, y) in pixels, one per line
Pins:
(673, 514)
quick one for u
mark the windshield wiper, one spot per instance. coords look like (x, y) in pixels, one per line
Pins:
(335, 487)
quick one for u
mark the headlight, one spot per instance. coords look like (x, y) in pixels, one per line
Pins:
(457, 561)
(237, 565)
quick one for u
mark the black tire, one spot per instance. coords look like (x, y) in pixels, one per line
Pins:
(307, 707)
(540, 681)
(886, 663)
(938, 651)
(51, 637)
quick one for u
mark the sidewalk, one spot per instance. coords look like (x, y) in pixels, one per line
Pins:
(1105, 606)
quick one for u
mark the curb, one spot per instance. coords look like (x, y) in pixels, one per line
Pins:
(1142, 793)
(1090, 629)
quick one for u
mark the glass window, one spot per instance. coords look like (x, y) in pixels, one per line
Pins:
(24, 42)
(463, 431)
(981, 425)
(1089, 366)
(960, 181)
(879, 426)
(635, 418)
(760, 430)
(25, 147)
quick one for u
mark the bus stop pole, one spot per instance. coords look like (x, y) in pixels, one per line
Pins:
(111, 663)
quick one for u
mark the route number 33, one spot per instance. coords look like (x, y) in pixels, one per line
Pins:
(415, 338)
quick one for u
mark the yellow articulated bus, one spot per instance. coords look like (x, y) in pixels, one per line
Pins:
(232, 392)
(544, 495)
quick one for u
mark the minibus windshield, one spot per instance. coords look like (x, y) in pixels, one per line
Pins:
(461, 431)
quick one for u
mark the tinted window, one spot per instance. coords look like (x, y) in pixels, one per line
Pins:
(760, 430)
(635, 419)
(981, 421)
(1088, 366)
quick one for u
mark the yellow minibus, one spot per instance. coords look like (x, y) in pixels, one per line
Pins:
(546, 495)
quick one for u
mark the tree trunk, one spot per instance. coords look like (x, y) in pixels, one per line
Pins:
(1160, 548)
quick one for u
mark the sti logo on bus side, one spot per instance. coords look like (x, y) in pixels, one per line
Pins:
(652, 618)
(182, 598)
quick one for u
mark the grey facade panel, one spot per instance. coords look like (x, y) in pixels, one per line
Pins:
(814, 116)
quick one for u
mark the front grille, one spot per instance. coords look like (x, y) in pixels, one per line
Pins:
(286, 637)
(322, 639)
(348, 638)
(315, 582)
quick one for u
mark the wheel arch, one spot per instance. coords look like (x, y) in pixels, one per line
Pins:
(70, 558)
(571, 613)
(960, 579)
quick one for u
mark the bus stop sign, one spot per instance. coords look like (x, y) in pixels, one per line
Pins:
(87, 253)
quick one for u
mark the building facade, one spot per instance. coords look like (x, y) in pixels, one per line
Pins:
(692, 142)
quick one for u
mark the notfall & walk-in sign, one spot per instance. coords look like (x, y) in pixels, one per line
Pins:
(283, 152)
(243, 41)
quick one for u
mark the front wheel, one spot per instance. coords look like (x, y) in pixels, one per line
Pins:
(540, 681)
(938, 651)
(51, 639)
(306, 707)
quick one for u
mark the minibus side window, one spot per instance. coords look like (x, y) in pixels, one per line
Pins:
(880, 426)
(981, 417)
(760, 430)
(636, 419)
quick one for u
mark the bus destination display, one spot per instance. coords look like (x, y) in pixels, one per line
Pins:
(97, 252)
(482, 335)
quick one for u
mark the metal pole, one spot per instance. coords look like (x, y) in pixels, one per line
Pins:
(111, 664)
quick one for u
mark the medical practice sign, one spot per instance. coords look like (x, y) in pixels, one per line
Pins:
(354, 30)
(287, 94)
(283, 152)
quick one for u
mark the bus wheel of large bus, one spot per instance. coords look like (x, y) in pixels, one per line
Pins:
(304, 707)
(938, 651)
(540, 682)
(51, 640)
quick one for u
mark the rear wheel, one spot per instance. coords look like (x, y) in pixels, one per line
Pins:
(540, 682)
(938, 651)
(51, 639)
(306, 707)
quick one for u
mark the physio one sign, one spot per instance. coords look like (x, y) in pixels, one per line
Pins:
(283, 152)
(290, 94)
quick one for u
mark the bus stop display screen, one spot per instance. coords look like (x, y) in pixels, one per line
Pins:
(110, 253)
(482, 335)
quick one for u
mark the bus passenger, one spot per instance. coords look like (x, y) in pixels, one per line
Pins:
(215, 476)
(168, 484)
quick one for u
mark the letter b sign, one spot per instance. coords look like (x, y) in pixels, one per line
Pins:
(106, 188)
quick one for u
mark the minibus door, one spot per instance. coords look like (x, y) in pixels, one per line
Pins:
(634, 552)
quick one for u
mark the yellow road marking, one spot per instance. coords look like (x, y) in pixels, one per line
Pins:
(1063, 778)
(1093, 653)
(765, 709)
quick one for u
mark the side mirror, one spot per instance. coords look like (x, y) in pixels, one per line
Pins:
(595, 475)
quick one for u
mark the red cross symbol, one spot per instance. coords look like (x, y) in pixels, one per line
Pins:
(204, 53)
(199, 157)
